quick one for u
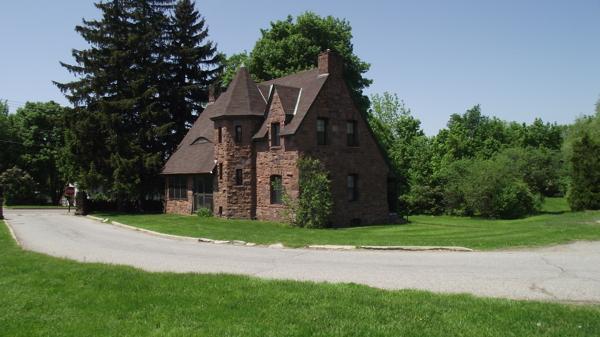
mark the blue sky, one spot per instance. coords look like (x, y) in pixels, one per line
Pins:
(518, 59)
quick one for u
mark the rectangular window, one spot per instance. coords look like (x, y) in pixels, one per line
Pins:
(238, 133)
(239, 177)
(275, 134)
(178, 187)
(351, 133)
(276, 190)
(321, 131)
(220, 171)
(352, 187)
(220, 132)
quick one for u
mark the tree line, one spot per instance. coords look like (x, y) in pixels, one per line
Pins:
(480, 165)
(145, 78)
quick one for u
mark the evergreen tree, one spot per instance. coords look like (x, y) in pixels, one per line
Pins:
(584, 192)
(194, 66)
(119, 126)
(10, 147)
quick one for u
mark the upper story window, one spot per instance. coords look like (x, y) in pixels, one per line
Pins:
(177, 187)
(352, 187)
(321, 131)
(220, 134)
(275, 136)
(238, 133)
(220, 171)
(276, 190)
(239, 177)
(351, 133)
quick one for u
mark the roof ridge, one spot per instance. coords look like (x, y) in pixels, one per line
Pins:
(288, 76)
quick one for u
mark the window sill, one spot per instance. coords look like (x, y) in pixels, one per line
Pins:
(276, 147)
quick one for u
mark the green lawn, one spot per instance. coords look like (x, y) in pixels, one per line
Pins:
(555, 205)
(45, 296)
(477, 233)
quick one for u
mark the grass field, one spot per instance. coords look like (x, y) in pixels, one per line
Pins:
(45, 296)
(553, 227)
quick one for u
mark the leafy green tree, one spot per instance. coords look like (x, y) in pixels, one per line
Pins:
(399, 133)
(313, 207)
(289, 46)
(472, 135)
(40, 127)
(540, 168)
(194, 66)
(18, 186)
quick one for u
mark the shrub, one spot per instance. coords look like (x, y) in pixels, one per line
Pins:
(514, 200)
(313, 207)
(487, 188)
(204, 212)
(18, 186)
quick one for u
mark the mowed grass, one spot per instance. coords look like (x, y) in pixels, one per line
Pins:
(477, 233)
(45, 296)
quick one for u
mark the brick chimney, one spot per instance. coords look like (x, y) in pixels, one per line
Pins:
(211, 94)
(330, 63)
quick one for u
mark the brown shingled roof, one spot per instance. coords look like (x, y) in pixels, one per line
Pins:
(192, 156)
(242, 97)
(311, 83)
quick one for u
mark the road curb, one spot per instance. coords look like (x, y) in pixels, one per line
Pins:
(12, 233)
(419, 248)
(147, 231)
(280, 245)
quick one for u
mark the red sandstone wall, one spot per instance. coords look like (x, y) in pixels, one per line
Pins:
(236, 201)
(366, 160)
(280, 160)
(179, 206)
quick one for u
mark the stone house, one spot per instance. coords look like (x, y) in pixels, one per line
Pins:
(248, 141)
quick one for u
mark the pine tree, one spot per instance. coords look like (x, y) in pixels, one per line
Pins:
(584, 192)
(194, 66)
(119, 126)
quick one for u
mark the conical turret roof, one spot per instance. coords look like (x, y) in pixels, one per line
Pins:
(242, 97)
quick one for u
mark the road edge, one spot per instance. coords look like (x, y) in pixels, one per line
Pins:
(280, 245)
(12, 233)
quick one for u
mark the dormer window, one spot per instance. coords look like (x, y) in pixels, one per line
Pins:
(200, 140)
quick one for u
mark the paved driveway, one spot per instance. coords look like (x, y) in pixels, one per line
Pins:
(562, 273)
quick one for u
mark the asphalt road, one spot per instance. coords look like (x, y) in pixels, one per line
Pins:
(567, 273)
